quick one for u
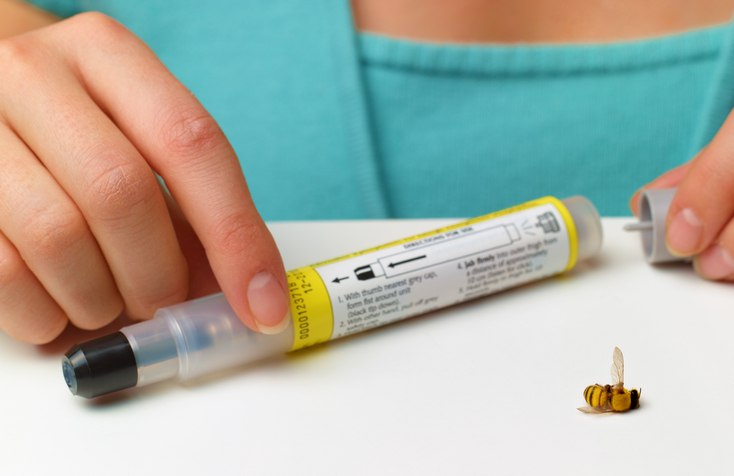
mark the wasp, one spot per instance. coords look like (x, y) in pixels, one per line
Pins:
(614, 397)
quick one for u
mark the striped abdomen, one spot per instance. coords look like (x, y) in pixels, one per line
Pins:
(596, 395)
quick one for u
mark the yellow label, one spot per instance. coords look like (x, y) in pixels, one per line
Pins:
(313, 320)
(379, 285)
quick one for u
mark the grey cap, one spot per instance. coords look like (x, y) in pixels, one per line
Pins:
(653, 211)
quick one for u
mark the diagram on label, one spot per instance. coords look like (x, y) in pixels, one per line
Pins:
(548, 223)
(440, 252)
(444, 267)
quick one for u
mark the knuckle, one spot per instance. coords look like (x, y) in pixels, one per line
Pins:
(708, 170)
(119, 189)
(22, 59)
(189, 132)
(12, 268)
(98, 26)
(14, 51)
(236, 234)
(53, 231)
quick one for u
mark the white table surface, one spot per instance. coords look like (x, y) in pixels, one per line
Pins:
(488, 387)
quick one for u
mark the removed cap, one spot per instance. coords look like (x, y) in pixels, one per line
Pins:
(653, 211)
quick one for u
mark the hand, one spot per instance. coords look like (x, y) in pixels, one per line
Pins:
(700, 220)
(87, 115)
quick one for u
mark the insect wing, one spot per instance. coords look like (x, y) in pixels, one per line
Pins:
(617, 370)
(599, 409)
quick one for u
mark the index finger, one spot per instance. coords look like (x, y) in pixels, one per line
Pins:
(186, 147)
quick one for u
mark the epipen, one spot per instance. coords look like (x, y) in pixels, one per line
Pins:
(346, 295)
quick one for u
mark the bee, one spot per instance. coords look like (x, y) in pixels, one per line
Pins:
(614, 397)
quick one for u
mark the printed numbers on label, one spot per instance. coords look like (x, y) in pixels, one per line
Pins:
(299, 287)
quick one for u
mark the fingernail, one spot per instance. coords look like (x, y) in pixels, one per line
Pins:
(715, 263)
(684, 232)
(268, 303)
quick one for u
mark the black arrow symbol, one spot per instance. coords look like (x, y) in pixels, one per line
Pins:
(338, 280)
(392, 265)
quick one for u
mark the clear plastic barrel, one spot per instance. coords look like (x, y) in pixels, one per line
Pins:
(199, 337)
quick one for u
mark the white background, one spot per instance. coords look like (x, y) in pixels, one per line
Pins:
(487, 387)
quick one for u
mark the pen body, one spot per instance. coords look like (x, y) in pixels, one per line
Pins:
(363, 290)
(441, 268)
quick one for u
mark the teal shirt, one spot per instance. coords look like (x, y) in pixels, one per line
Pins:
(332, 124)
